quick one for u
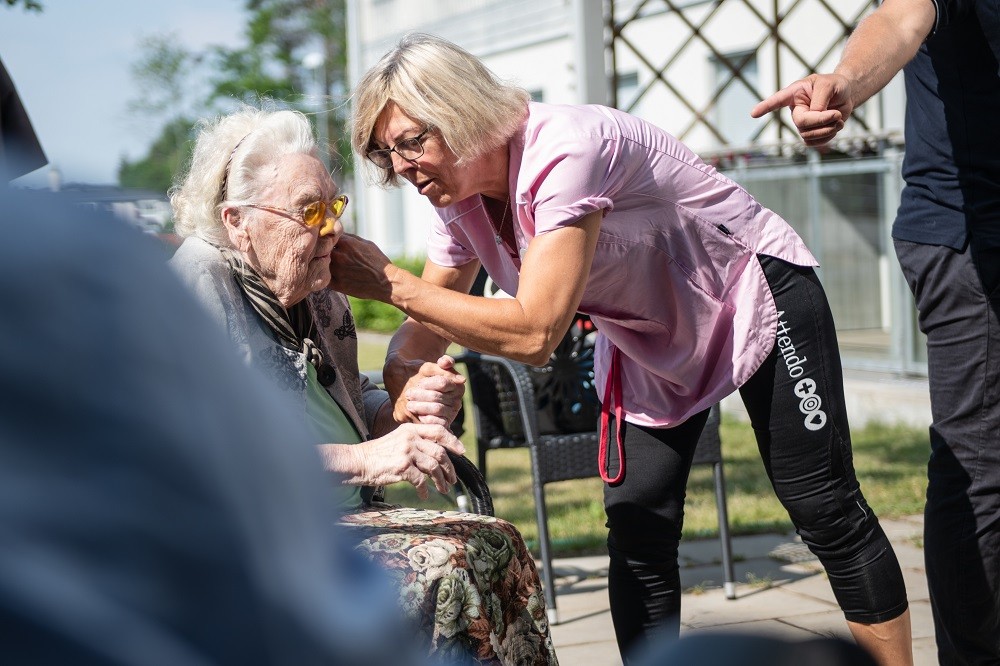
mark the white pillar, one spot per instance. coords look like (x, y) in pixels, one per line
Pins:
(315, 62)
(588, 37)
(355, 70)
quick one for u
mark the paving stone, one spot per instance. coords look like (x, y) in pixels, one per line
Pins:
(584, 600)
(909, 556)
(748, 547)
(815, 587)
(792, 601)
(587, 654)
(922, 621)
(924, 652)
(713, 608)
(583, 628)
(915, 581)
(774, 628)
(827, 623)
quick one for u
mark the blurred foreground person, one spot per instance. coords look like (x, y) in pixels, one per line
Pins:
(259, 216)
(156, 505)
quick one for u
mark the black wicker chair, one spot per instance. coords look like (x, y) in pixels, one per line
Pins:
(553, 411)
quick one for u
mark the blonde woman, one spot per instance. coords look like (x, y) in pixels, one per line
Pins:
(696, 289)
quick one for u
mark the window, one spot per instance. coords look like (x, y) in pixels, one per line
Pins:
(732, 106)
(628, 87)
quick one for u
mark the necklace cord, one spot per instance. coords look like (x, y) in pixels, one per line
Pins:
(498, 234)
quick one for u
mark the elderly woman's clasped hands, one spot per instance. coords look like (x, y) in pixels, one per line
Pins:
(414, 450)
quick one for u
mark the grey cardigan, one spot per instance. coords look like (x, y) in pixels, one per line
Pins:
(204, 270)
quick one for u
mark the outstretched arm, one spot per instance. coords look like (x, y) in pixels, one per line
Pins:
(527, 327)
(880, 46)
(414, 345)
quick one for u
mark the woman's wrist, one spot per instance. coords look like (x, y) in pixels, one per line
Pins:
(398, 279)
(347, 460)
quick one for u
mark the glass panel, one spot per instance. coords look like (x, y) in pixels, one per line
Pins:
(846, 239)
(844, 217)
(789, 198)
(853, 272)
(730, 111)
(628, 88)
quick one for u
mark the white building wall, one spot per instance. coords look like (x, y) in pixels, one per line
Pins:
(530, 42)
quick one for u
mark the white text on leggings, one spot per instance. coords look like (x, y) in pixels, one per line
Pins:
(805, 389)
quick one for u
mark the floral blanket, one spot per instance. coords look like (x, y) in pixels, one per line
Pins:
(468, 580)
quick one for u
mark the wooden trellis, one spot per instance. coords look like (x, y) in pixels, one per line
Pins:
(695, 18)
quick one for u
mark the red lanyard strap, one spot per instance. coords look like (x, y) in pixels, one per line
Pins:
(612, 393)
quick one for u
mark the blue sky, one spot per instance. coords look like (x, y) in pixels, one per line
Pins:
(71, 66)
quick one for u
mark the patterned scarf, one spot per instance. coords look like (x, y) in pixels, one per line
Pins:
(294, 328)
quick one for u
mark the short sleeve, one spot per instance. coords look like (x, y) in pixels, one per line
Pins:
(569, 178)
(444, 249)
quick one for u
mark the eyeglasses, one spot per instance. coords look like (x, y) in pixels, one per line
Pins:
(408, 149)
(312, 215)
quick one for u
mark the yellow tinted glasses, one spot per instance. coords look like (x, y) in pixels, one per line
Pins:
(313, 214)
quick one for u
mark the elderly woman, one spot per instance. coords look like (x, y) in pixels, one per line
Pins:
(260, 216)
(697, 291)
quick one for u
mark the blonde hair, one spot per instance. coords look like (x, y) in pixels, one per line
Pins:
(228, 155)
(442, 86)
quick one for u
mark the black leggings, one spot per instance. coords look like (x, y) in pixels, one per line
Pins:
(796, 406)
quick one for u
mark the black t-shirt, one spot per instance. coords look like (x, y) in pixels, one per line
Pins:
(952, 161)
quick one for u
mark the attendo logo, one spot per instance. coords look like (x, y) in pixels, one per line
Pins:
(810, 404)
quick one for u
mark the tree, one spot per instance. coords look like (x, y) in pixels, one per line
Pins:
(165, 159)
(166, 95)
(280, 34)
(163, 74)
(29, 5)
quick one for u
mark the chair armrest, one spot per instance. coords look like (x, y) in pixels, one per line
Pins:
(523, 387)
(475, 485)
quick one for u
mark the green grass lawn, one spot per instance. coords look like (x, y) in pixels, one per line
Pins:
(890, 462)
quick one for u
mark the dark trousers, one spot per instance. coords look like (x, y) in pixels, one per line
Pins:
(958, 302)
(796, 406)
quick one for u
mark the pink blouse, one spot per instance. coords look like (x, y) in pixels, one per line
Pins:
(674, 285)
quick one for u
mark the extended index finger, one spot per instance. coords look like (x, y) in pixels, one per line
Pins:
(782, 98)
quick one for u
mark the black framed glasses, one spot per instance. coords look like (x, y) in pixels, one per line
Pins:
(313, 214)
(409, 149)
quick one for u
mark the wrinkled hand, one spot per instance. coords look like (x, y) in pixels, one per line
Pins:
(433, 395)
(821, 104)
(412, 452)
(359, 268)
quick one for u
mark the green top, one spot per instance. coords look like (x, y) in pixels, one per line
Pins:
(331, 426)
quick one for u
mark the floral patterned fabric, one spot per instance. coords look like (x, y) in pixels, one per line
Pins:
(468, 580)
